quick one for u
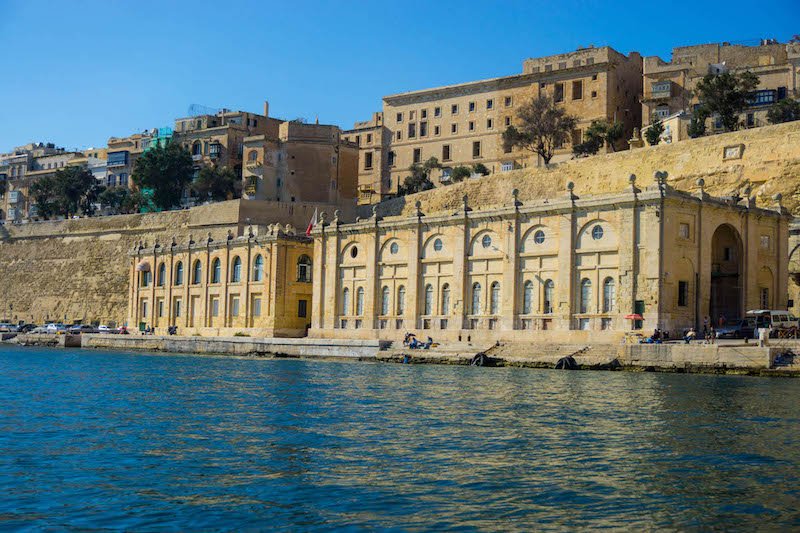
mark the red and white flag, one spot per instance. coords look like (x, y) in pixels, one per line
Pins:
(312, 223)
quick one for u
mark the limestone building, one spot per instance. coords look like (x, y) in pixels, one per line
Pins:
(258, 283)
(564, 268)
(463, 124)
(669, 87)
(294, 161)
(14, 169)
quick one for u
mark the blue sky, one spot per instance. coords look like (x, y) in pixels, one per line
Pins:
(77, 72)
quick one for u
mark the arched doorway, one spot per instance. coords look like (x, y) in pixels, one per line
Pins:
(726, 274)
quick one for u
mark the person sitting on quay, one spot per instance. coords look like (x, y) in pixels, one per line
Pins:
(690, 336)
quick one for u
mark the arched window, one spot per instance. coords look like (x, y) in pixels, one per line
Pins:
(197, 148)
(236, 271)
(445, 299)
(252, 155)
(527, 298)
(401, 300)
(476, 299)
(549, 290)
(346, 301)
(360, 301)
(428, 300)
(609, 295)
(258, 268)
(304, 269)
(179, 273)
(385, 301)
(146, 278)
(494, 298)
(162, 275)
(216, 271)
(197, 273)
(586, 295)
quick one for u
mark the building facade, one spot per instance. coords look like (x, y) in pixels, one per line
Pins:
(300, 162)
(258, 283)
(669, 87)
(569, 269)
(462, 125)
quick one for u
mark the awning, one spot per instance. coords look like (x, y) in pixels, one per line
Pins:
(635, 316)
(143, 266)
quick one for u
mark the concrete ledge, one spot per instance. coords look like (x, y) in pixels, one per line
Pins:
(48, 339)
(355, 349)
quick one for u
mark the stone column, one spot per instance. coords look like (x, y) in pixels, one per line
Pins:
(373, 276)
(319, 287)
(510, 303)
(459, 293)
(628, 254)
(411, 315)
(565, 284)
(331, 294)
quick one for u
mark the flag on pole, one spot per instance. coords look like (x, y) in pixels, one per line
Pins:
(312, 223)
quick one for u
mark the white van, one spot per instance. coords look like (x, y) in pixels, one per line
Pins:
(771, 318)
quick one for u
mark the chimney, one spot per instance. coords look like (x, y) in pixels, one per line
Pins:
(266, 108)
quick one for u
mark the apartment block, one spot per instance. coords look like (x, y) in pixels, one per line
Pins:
(463, 124)
(670, 87)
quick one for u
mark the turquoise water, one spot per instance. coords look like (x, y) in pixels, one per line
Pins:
(155, 442)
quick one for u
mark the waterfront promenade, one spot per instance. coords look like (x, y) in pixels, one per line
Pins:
(736, 357)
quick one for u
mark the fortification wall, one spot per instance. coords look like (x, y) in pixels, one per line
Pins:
(769, 163)
(78, 268)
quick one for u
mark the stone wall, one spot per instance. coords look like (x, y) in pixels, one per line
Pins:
(769, 164)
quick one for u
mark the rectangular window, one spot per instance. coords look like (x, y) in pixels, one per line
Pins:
(471, 125)
(177, 307)
(399, 117)
(453, 128)
(437, 130)
(577, 90)
(476, 149)
(562, 64)
(508, 121)
(302, 308)
(683, 230)
(763, 298)
(214, 306)
(446, 152)
(412, 130)
(507, 166)
(144, 308)
(358, 140)
(454, 109)
(423, 113)
(471, 107)
(489, 123)
(683, 293)
(160, 308)
(423, 129)
(399, 135)
(391, 159)
(751, 120)
(594, 94)
(256, 306)
(765, 242)
(590, 61)
(558, 92)
(412, 115)
(367, 160)
(548, 68)
(605, 323)
(417, 155)
(234, 306)
(489, 103)
(369, 137)
(508, 101)
(437, 111)
(727, 254)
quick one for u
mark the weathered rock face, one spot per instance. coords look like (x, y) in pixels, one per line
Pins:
(78, 269)
(765, 159)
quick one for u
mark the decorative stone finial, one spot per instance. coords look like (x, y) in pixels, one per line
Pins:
(230, 235)
(375, 211)
(570, 191)
(515, 198)
(465, 201)
(191, 239)
(701, 183)
(632, 179)
(250, 233)
(323, 218)
(209, 240)
(174, 241)
(570, 186)
(418, 208)
(336, 214)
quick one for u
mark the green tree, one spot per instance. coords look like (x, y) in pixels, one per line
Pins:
(217, 184)
(480, 168)
(697, 125)
(419, 180)
(133, 201)
(114, 198)
(543, 126)
(726, 95)
(460, 173)
(787, 110)
(598, 134)
(44, 195)
(165, 170)
(653, 133)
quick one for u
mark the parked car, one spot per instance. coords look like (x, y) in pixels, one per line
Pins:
(56, 328)
(40, 329)
(26, 328)
(738, 329)
(82, 328)
(102, 328)
(7, 328)
(771, 318)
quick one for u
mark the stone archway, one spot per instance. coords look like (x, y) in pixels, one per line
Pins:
(727, 275)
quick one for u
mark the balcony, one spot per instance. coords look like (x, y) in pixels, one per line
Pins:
(253, 164)
(197, 157)
(14, 197)
(660, 90)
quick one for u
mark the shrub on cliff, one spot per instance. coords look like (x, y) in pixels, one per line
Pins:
(70, 191)
(166, 171)
(653, 133)
(419, 180)
(786, 110)
(725, 95)
(542, 126)
(217, 184)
